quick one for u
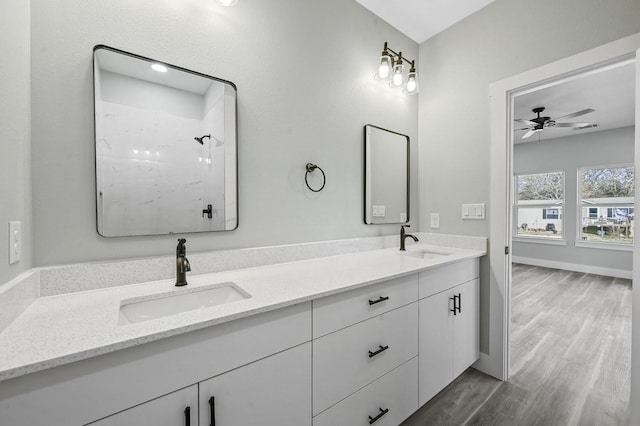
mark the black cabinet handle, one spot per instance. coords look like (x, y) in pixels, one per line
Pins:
(187, 416)
(455, 304)
(382, 349)
(459, 303)
(380, 299)
(212, 410)
(372, 420)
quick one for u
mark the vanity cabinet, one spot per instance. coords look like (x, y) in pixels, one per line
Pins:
(176, 409)
(449, 328)
(369, 363)
(125, 382)
(272, 391)
(371, 355)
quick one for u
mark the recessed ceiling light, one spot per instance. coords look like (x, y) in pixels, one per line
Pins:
(159, 68)
(227, 2)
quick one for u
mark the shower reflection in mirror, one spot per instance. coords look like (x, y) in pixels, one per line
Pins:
(165, 147)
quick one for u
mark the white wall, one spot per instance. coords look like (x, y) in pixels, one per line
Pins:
(304, 71)
(15, 133)
(568, 154)
(503, 39)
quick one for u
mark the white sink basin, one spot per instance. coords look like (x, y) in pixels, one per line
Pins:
(425, 254)
(182, 300)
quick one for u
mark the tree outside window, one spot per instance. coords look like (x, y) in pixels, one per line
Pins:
(606, 204)
(540, 201)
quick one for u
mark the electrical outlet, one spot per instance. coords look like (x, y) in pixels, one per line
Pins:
(435, 220)
(379, 211)
(15, 242)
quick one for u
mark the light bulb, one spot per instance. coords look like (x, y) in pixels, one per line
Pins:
(397, 78)
(158, 67)
(227, 2)
(385, 66)
(412, 82)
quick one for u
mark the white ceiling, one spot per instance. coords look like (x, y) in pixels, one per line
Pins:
(422, 19)
(611, 93)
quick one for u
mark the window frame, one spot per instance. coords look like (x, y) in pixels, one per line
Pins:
(544, 205)
(600, 244)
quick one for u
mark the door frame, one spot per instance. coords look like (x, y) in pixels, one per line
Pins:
(502, 95)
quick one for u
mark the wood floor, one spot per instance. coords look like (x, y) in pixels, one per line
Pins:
(570, 358)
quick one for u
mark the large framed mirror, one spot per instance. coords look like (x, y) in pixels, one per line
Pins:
(166, 147)
(386, 176)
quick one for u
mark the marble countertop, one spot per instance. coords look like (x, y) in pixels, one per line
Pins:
(61, 329)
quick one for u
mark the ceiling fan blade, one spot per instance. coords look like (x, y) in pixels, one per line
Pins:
(573, 125)
(527, 122)
(586, 126)
(528, 134)
(575, 114)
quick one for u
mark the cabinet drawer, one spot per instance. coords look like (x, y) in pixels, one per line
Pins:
(439, 279)
(396, 391)
(346, 360)
(342, 310)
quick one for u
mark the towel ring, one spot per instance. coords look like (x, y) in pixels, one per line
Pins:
(311, 168)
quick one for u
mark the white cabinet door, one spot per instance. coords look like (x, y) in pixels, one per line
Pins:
(436, 345)
(466, 327)
(273, 391)
(179, 408)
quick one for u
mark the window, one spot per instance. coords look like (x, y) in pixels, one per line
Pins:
(606, 204)
(540, 201)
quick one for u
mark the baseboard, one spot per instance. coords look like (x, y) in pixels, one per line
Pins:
(576, 267)
(484, 365)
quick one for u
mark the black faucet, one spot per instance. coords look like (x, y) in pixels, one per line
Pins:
(182, 263)
(404, 236)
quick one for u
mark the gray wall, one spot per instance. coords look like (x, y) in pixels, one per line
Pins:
(304, 71)
(568, 154)
(15, 160)
(456, 69)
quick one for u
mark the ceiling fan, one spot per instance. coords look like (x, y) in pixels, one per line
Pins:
(538, 124)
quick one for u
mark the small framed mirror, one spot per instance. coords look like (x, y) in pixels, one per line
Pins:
(166, 147)
(386, 176)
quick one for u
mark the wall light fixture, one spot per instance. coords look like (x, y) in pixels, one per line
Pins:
(392, 68)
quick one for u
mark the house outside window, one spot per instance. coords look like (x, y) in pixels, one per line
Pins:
(606, 197)
(540, 202)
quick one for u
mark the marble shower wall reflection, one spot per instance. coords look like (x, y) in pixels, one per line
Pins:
(152, 175)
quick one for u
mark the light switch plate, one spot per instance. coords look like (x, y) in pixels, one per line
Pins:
(473, 211)
(15, 242)
(435, 220)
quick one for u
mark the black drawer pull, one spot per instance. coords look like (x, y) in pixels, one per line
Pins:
(372, 420)
(455, 304)
(380, 299)
(187, 416)
(459, 303)
(212, 410)
(382, 349)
